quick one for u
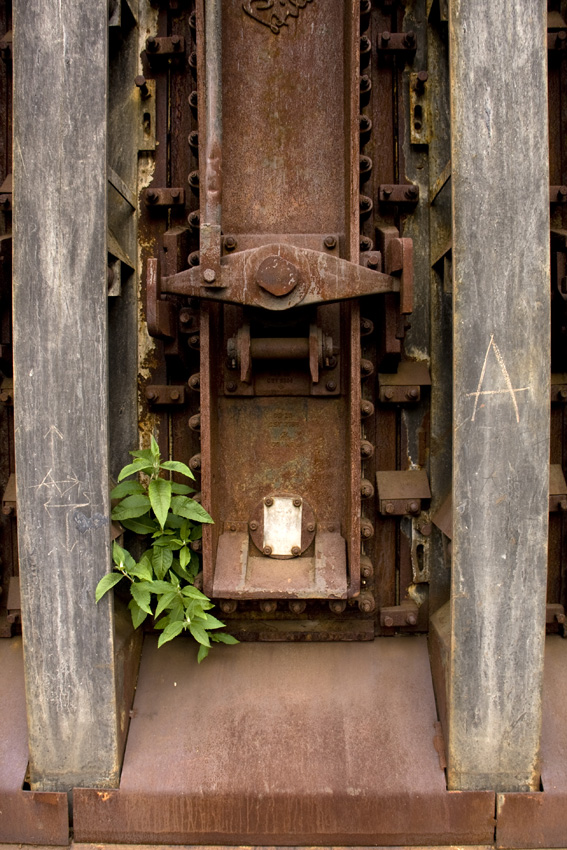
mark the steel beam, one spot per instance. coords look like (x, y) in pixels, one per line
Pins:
(60, 364)
(500, 393)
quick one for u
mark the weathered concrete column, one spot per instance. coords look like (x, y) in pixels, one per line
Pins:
(501, 391)
(60, 329)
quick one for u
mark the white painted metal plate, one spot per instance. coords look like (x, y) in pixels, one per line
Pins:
(282, 525)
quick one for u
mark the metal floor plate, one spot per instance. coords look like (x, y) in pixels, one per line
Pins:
(279, 743)
(28, 817)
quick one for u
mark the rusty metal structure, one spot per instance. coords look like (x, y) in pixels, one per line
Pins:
(318, 249)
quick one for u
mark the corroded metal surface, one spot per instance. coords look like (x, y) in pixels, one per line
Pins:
(269, 750)
(26, 817)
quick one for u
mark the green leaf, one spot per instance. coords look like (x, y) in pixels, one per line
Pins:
(131, 507)
(165, 602)
(174, 522)
(222, 637)
(197, 532)
(154, 449)
(141, 570)
(121, 557)
(158, 586)
(181, 489)
(194, 593)
(138, 616)
(126, 488)
(161, 624)
(161, 561)
(202, 654)
(184, 556)
(141, 594)
(177, 466)
(106, 582)
(188, 508)
(170, 631)
(180, 571)
(212, 622)
(159, 492)
(139, 465)
(145, 453)
(143, 525)
(199, 634)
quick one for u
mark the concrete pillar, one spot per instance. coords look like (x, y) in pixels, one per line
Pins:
(60, 364)
(501, 391)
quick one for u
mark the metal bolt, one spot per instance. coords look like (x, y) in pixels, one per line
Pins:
(366, 326)
(563, 395)
(412, 394)
(311, 527)
(331, 386)
(151, 395)
(185, 317)
(5, 398)
(268, 502)
(412, 507)
(366, 530)
(387, 191)
(389, 508)
(331, 528)
(232, 527)
(228, 606)
(365, 44)
(330, 242)
(366, 490)
(176, 42)
(365, 243)
(230, 243)
(295, 551)
(193, 179)
(297, 606)
(365, 124)
(193, 20)
(231, 387)
(366, 603)
(209, 275)
(194, 341)
(297, 503)
(193, 100)
(425, 528)
(365, 165)
(366, 367)
(194, 258)
(563, 505)
(140, 82)
(174, 395)
(412, 193)
(194, 219)
(385, 38)
(409, 39)
(151, 196)
(388, 621)
(268, 606)
(337, 606)
(389, 393)
(366, 448)
(193, 139)
(365, 84)
(267, 550)
(196, 545)
(192, 60)
(365, 203)
(421, 80)
(195, 381)
(253, 526)
(195, 462)
(7, 510)
(151, 44)
(195, 422)
(366, 408)
(373, 260)
(365, 6)
(411, 619)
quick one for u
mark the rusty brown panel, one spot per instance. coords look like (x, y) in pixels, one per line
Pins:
(554, 68)
(385, 568)
(25, 816)
(181, 117)
(327, 768)
(533, 820)
(283, 162)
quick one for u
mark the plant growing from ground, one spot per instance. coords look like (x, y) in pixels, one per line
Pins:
(164, 576)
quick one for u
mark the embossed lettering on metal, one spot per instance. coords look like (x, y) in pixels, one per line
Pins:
(274, 13)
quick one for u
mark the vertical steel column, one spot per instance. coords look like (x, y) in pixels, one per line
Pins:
(501, 391)
(60, 364)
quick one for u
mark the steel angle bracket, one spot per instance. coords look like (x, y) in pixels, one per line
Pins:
(280, 276)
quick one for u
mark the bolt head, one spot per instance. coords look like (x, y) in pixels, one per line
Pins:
(366, 531)
(151, 395)
(295, 551)
(411, 620)
(185, 317)
(413, 507)
(311, 527)
(253, 525)
(231, 387)
(330, 242)
(297, 503)
(385, 36)
(232, 527)
(412, 394)
(151, 196)
(389, 508)
(267, 550)
(230, 243)
(331, 386)
(194, 382)
(366, 491)
(388, 621)
(209, 275)
(388, 393)
(563, 395)
(387, 191)
(412, 192)
(268, 502)
(174, 395)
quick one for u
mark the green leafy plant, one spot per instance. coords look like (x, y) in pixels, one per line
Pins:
(164, 576)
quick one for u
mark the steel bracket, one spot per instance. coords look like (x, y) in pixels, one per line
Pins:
(164, 197)
(404, 614)
(401, 193)
(404, 43)
(405, 385)
(400, 492)
(158, 395)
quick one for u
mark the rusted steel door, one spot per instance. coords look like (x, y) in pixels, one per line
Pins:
(280, 282)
